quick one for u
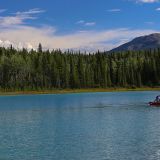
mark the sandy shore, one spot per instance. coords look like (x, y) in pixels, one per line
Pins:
(65, 91)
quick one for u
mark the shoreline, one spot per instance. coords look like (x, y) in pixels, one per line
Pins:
(70, 91)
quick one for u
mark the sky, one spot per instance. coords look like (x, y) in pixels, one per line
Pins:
(87, 25)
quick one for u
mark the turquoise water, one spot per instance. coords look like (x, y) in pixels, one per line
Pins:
(90, 126)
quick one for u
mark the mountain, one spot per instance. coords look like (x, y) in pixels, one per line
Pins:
(140, 43)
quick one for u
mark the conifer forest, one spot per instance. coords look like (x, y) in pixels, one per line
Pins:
(36, 70)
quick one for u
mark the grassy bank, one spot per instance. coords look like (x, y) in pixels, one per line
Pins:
(65, 91)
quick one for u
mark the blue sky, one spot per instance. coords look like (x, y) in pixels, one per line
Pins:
(76, 24)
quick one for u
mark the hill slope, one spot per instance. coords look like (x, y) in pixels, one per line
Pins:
(141, 43)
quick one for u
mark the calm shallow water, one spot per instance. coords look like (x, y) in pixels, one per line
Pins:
(90, 126)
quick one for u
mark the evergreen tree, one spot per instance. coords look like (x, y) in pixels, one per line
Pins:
(40, 48)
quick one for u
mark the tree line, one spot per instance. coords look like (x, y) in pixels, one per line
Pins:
(39, 70)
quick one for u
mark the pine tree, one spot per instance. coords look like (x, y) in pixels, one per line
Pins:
(40, 48)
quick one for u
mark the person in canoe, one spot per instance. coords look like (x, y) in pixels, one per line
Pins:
(156, 101)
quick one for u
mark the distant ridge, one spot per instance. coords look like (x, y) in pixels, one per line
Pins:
(140, 43)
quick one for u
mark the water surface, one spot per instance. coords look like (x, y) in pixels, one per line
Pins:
(89, 126)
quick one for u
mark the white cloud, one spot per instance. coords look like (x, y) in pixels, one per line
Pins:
(88, 40)
(82, 22)
(150, 23)
(158, 9)
(90, 24)
(114, 10)
(10, 20)
(19, 17)
(148, 1)
(31, 11)
(2, 10)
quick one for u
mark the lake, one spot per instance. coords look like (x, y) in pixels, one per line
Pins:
(86, 126)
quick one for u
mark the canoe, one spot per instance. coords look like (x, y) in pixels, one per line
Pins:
(154, 104)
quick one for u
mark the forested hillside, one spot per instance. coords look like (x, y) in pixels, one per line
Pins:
(23, 70)
(151, 41)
